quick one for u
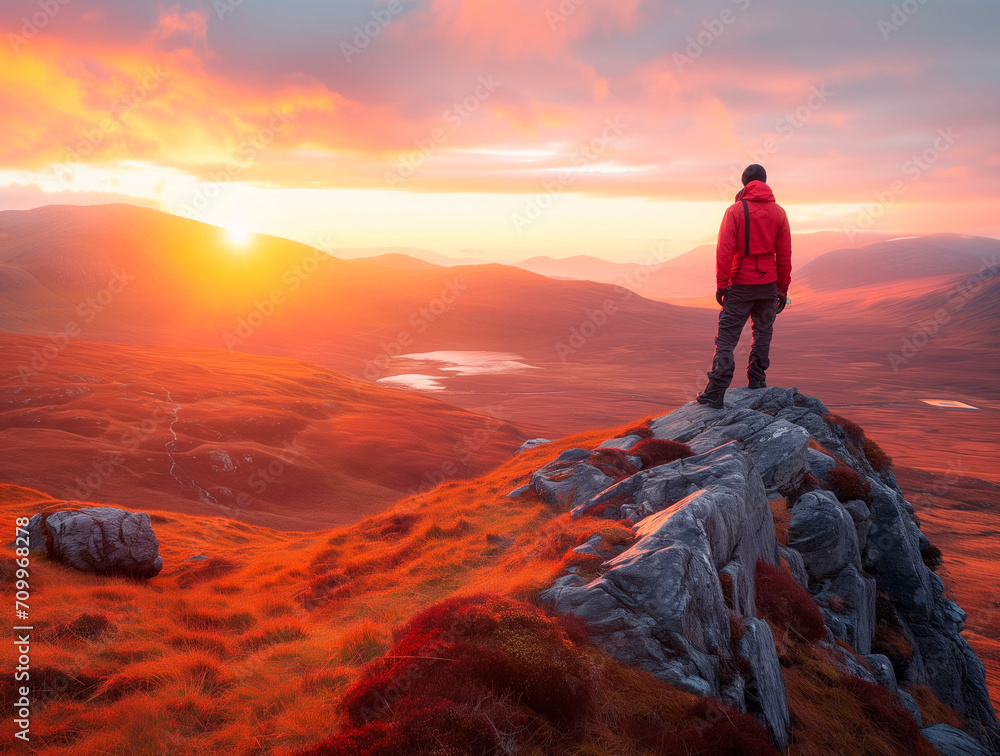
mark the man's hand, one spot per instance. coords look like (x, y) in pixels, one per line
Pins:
(782, 302)
(720, 296)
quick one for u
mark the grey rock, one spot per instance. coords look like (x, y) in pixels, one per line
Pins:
(779, 453)
(520, 491)
(660, 604)
(796, 565)
(892, 555)
(883, 671)
(855, 621)
(566, 481)
(624, 443)
(650, 491)
(100, 540)
(573, 455)
(765, 694)
(849, 663)
(909, 704)
(862, 517)
(957, 676)
(820, 464)
(824, 534)
(948, 741)
(531, 444)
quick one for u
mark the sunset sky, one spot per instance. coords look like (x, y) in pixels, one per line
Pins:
(506, 129)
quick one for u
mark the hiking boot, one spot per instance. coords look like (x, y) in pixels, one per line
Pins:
(710, 403)
(757, 385)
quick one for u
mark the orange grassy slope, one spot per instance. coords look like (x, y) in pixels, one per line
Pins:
(264, 440)
(248, 651)
(251, 650)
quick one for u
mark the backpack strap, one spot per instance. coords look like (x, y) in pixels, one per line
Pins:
(746, 229)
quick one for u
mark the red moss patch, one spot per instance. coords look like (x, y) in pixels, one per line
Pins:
(848, 485)
(876, 457)
(654, 452)
(462, 671)
(786, 605)
(855, 433)
(643, 431)
(613, 462)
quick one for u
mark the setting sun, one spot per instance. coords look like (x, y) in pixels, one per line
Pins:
(238, 235)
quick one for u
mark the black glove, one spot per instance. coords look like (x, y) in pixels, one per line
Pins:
(782, 301)
(720, 296)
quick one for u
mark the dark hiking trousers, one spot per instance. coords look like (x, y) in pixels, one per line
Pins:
(759, 304)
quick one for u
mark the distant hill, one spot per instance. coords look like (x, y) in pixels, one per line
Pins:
(264, 440)
(400, 261)
(687, 276)
(580, 267)
(426, 255)
(901, 260)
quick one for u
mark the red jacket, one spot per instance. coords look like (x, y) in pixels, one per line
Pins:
(770, 257)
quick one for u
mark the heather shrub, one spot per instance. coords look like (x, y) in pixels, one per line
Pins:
(932, 556)
(855, 433)
(876, 457)
(654, 452)
(882, 708)
(786, 605)
(462, 672)
(782, 516)
(847, 484)
(643, 431)
(612, 462)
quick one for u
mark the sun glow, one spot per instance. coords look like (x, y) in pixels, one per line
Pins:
(238, 235)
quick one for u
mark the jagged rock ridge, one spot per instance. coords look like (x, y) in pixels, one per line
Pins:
(706, 520)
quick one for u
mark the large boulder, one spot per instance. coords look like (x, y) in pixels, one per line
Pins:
(661, 606)
(823, 532)
(569, 480)
(948, 741)
(670, 603)
(101, 540)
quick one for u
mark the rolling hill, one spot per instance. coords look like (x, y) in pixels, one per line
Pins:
(258, 439)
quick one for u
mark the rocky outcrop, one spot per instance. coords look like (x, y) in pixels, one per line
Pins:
(101, 540)
(680, 601)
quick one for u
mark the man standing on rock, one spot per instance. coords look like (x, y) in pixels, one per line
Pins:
(753, 272)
